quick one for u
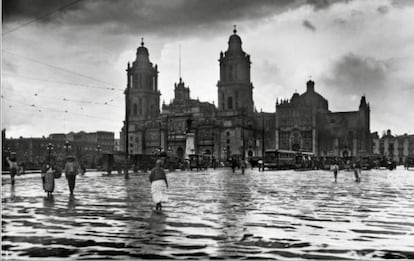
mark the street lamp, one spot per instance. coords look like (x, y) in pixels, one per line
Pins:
(98, 150)
(67, 147)
(49, 150)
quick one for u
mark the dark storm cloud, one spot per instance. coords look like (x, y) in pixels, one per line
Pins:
(383, 9)
(308, 25)
(169, 16)
(353, 74)
(14, 10)
(322, 4)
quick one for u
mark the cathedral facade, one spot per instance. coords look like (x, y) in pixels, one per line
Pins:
(304, 123)
(233, 127)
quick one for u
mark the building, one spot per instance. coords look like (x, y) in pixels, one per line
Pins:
(397, 147)
(234, 127)
(189, 126)
(34, 151)
(117, 145)
(305, 123)
(30, 151)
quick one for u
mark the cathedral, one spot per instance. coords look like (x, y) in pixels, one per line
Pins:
(304, 123)
(233, 127)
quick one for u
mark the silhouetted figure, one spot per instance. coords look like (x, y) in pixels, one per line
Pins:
(233, 164)
(335, 169)
(357, 171)
(71, 170)
(82, 169)
(242, 165)
(13, 168)
(48, 179)
(159, 185)
(214, 162)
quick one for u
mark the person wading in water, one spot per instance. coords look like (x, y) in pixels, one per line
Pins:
(159, 185)
(335, 169)
(48, 179)
(13, 167)
(71, 170)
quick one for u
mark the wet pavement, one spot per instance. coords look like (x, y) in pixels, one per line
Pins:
(213, 214)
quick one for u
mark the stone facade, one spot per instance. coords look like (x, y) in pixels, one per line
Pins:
(186, 125)
(397, 147)
(234, 127)
(305, 123)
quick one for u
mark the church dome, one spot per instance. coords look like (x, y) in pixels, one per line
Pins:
(234, 39)
(235, 42)
(142, 50)
(142, 53)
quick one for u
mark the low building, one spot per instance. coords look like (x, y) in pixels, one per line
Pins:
(395, 147)
(305, 123)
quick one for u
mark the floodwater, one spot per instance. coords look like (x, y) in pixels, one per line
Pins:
(213, 214)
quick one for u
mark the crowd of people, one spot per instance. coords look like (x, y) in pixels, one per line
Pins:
(49, 172)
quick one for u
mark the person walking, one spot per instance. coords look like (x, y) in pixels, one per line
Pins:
(335, 169)
(243, 165)
(71, 170)
(48, 178)
(13, 168)
(233, 164)
(357, 171)
(159, 185)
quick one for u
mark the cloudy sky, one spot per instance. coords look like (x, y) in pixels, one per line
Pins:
(63, 62)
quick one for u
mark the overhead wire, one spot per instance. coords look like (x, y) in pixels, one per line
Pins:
(40, 17)
(40, 108)
(60, 68)
(16, 75)
(64, 99)
(70, 100)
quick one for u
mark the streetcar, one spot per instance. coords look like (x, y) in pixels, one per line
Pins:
(280, 159)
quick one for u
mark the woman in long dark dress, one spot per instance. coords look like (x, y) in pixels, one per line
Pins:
(48, 178)
(159, 185)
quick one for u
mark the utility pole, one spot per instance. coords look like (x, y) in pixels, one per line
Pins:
(263, 138)
(126, 174)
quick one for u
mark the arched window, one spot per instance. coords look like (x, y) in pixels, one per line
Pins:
(230, 103)
(230, 73)
(140, 106)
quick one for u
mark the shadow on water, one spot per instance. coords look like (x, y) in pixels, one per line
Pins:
(49, 203)
(157, 221)
(235, 201)
(72, 202)
(12, 192)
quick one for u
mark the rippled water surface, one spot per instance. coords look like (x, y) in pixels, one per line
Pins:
(213, 214)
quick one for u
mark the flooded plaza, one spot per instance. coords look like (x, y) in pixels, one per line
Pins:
(213, 214)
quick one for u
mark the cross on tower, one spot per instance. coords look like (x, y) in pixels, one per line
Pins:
(234, 29)
(142, 41)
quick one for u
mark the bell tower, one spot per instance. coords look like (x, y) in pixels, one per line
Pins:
(235, 91)
(144, 96)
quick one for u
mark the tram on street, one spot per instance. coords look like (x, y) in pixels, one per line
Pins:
(279, 159)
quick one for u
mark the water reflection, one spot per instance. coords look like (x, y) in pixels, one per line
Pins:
(49, 202)
(71, 202)
(12, 192)
(157, 221)
(215, 214)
